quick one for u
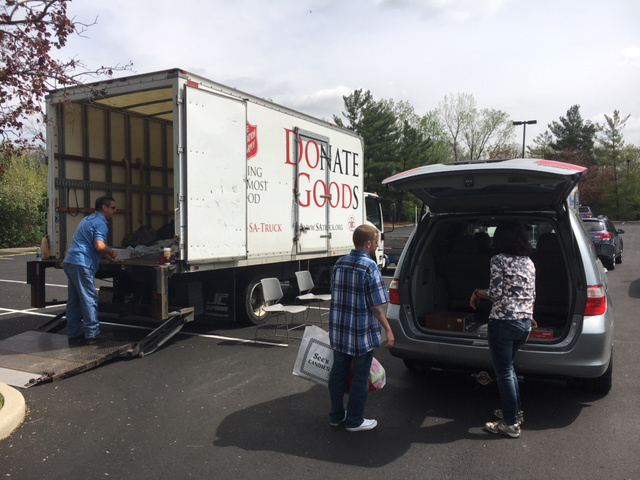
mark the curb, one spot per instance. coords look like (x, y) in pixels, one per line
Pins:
(13, 412)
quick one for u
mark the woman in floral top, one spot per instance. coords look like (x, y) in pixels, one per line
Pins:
(512, 291)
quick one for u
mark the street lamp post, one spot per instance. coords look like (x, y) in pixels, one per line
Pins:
(524, 130)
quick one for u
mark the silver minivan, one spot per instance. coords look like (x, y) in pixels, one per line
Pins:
(448, 255)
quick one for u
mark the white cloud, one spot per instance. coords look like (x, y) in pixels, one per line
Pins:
(456, 10)
(324, 102)
(631, 56)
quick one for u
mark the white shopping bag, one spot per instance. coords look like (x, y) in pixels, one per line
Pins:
(315, 356)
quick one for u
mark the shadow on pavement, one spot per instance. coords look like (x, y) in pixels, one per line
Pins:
(430, 410)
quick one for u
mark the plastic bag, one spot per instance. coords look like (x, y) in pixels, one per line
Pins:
(377, 376)
(315, 356)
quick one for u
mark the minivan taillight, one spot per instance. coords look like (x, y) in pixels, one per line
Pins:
(394, 293)
(596, 300)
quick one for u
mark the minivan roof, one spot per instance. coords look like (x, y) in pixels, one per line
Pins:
(522, 184)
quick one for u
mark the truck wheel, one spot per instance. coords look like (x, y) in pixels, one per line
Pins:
(251, 303)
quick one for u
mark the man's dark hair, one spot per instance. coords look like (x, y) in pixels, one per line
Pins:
(511, 238)
(104, 200)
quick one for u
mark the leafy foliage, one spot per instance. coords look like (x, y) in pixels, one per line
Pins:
(23, 193)
(542, 148)
(573, 134)
(29, 31)
(475, 134)
(394, 141)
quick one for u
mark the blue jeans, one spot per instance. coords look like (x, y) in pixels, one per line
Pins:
(505, 339)
(82, 302)
(359, 388)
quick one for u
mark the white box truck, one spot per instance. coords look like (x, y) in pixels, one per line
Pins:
(248, 189)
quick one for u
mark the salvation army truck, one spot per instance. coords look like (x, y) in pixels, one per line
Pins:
(247, 189)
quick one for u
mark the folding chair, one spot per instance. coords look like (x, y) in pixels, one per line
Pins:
(305, 285)
(272, 292)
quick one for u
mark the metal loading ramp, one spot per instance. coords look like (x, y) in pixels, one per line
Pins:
(34, 357)
(38, 356)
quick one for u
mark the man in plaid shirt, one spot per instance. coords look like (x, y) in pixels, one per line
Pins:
(358, 300)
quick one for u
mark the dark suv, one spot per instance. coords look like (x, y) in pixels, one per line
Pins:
(607, 240)
(448, 256)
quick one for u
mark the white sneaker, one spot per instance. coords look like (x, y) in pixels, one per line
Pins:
(365, 425)
(502, 428)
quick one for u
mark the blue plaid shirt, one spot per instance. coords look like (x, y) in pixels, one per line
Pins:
(356, 287)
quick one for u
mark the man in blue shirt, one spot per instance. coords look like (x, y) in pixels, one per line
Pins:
(80, 266)
(358, 298)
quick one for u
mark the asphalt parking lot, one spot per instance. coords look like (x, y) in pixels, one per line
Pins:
(208, 405)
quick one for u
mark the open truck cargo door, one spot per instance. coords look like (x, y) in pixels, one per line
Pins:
(215, 189)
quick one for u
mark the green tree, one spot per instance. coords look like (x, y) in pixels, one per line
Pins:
(30, 32)
(542, 148)
(23, 189)
(610, 146)
(395, 139)
(574, 137)
(474, 134)
(457, 114)
(491, 130)
(630, 191)
(432, 128)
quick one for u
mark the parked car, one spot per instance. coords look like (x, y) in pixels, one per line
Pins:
(585, 212)
(606, 239)
(448, 255)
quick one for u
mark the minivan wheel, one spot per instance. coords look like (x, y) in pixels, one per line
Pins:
(601, 384)
(412, 365)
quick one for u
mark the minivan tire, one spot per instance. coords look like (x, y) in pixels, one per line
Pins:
(602, 384)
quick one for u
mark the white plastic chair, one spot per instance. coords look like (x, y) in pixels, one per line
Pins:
(305, 285)
(272, 292)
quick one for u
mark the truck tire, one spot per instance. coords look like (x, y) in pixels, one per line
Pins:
(250, 306)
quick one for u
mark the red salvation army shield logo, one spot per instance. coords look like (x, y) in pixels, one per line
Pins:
(252, 140)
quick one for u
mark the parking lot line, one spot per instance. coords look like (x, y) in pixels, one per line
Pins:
(24, 283)
(11, 311)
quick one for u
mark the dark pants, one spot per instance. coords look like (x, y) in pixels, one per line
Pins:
(505, 339)
(359, 388)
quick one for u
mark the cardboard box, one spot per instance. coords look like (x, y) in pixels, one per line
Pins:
(450, 321)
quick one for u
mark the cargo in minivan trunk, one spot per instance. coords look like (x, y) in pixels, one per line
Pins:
(455, 259)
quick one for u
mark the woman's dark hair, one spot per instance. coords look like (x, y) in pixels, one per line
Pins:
(511, 238)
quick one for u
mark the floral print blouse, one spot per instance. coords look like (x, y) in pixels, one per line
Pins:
(512, 288)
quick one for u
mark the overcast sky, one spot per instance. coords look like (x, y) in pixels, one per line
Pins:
(530, 58)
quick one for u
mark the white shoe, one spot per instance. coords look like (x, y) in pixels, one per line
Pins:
(365, 425)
